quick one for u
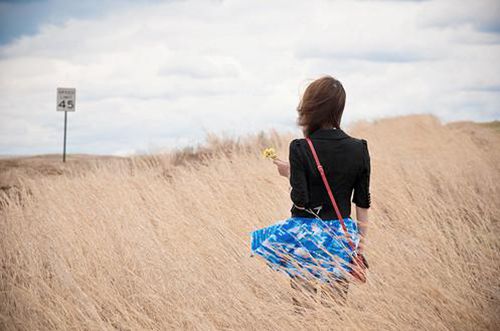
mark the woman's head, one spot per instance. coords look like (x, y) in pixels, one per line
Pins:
(321, 105)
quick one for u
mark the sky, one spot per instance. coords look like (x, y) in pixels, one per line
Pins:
(155, 75)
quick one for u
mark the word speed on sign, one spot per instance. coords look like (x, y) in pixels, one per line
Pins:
(66, 99)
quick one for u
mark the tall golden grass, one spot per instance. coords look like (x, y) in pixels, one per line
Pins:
(163, 241)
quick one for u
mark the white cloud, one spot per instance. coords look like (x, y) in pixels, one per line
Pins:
(165, 72)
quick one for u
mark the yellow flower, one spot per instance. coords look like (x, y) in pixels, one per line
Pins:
(269, 153)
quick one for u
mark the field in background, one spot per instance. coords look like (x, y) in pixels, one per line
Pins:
(163, 241)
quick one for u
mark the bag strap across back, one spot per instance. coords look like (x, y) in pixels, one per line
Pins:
(330, 194)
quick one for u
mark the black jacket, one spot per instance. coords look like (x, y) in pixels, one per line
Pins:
(346, 162)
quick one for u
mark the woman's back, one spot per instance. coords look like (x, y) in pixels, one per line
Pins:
(346, 162)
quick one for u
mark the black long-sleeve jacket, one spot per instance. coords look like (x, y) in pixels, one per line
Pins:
(346, 162)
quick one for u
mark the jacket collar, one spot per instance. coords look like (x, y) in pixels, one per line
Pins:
(329, 134)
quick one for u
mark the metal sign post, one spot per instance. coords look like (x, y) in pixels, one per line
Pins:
(65, 102)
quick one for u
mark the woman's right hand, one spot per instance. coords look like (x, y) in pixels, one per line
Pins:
(283, 167)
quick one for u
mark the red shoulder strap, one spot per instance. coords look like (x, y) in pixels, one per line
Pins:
(330, 194)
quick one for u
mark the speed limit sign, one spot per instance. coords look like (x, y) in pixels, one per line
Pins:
(66, 99)
(65, 102)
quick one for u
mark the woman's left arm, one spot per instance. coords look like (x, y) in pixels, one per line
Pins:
(298, 181)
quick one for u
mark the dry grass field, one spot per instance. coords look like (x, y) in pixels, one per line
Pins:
(162, 242)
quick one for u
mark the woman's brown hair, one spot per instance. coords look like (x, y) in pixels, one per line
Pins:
(322, 104)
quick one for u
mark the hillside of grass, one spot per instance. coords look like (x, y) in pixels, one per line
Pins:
(162, 241)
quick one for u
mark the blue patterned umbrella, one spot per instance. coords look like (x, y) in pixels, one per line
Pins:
(306, 247)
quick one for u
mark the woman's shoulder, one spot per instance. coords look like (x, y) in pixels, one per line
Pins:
(297, 142)
(354, 139)
(298, 147)
(361, 142)
(361, 147)
(358, 146)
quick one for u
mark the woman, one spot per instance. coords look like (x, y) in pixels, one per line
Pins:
(346, 162)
